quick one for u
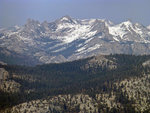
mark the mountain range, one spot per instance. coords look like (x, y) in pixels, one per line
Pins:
(68, 39)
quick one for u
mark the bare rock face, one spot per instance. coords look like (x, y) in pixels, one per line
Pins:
(7, 85)
(146, 63)
(3, 63)
(68, 39)
(4, 75)
(10, 86)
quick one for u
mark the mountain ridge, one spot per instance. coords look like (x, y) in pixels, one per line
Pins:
(68, 39)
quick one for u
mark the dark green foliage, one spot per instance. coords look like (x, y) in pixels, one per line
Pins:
(69, 78)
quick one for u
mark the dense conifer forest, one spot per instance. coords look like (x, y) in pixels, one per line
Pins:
(46, 80)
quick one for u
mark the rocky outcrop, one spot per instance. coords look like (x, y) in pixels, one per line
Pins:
(6, 84)
(2, 63)
(100, 61)
(146, 63)
(4, 75)
(10, 86)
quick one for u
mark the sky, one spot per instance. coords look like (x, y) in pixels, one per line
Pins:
(16, 12)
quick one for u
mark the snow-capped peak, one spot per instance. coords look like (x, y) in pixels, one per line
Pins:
(16, 27)
(148, 27)
(31, 21)
(67, 19)
(119, 30)
(30, 24)
(127, 23)
(75, 38)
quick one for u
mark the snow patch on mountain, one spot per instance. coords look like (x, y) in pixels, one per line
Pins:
(120, 30)
(88, 40)
(124, 28)
(86, 49)
(148, 27)
(75, 38)
(117, 31)
(64, 18)
(77, 32)
(58, 50)
(56, 46)
(96, 46)
(81, 49)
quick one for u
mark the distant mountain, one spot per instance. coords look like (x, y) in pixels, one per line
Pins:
(68, 39)
(148, 27)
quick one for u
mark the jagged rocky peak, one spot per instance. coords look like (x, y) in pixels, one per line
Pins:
(139, 25)
(110, 23)
(96, 21)
(105, 21)
(32, 23)
(49, 26)
(148, 27)
(14, 28)
(76, 38)
(130, 24)
(126, 24)
(67, 19)
(45, 23)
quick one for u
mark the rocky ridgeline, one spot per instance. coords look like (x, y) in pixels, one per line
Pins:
(100, 61)
(68, 39)
(135, 90)
(6, 84)
(4, 75)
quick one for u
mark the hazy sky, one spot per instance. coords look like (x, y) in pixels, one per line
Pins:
(16, 12)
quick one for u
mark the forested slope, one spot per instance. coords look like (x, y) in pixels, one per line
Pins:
(111, 82)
